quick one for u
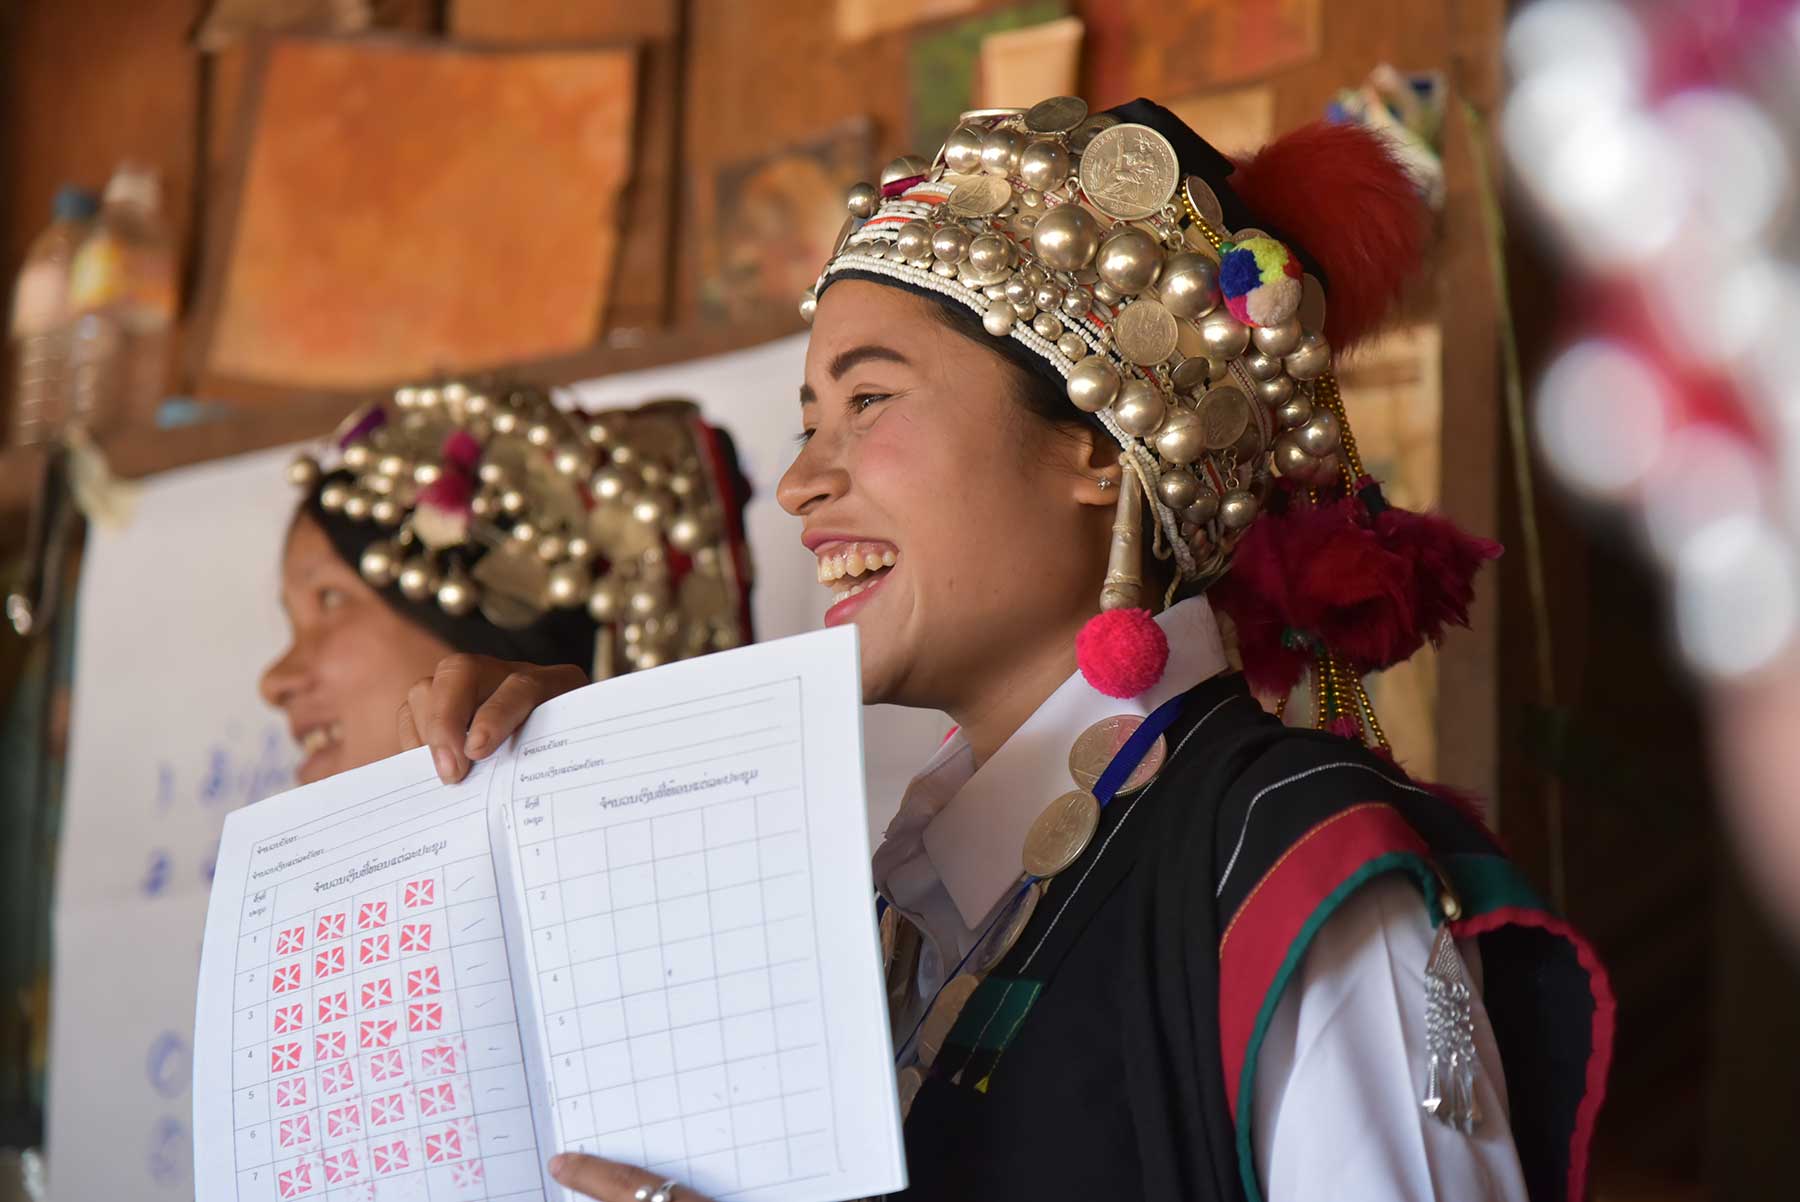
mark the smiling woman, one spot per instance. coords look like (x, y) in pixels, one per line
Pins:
(1067, 385)
(497, 542)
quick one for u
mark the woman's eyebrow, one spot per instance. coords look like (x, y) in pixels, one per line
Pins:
(872, 352)
(868, 352)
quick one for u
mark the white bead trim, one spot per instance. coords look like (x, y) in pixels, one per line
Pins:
(1143, 461)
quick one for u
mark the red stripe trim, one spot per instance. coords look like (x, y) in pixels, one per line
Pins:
(1262, 932)
(1605, 1019)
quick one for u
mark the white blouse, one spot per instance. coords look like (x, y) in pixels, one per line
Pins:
(1342, 1064)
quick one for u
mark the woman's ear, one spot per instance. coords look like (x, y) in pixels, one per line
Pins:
(1093, 460)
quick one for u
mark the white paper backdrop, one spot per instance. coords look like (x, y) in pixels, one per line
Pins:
(177, 617)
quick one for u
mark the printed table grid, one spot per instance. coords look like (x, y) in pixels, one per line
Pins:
(362, 1063)
(629, 925)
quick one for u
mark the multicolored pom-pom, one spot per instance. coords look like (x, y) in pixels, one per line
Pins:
(1122, 652)
(1260, 278)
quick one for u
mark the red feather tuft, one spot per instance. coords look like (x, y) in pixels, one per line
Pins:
(1444, 562)
(1315, 576)
(1336, 191)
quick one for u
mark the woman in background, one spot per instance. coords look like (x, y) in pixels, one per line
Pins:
(411, 561)
(1143, 940)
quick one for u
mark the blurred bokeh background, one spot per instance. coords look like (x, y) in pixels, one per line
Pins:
(230, 221)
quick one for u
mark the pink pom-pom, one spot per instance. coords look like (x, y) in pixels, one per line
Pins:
(1122, 652)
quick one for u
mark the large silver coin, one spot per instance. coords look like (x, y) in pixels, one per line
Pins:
(1130, 171)
(1205, 201)
(1061, 833)
(1057, 115)
(980, 196)
(1145, 333)
(1099, 743)
(1005, 933)
(1224, 414)
(1088, 130)
(944, 1011)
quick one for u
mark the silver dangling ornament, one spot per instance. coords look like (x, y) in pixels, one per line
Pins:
(1451, 1062)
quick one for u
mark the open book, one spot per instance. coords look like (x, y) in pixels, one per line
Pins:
(643, 929)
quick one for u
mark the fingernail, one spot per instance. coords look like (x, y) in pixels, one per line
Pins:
(557, 1164)
(476, 746)
(445, 759)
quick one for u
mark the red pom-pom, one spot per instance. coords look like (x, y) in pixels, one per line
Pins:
(1122, 652)
(1338, 192)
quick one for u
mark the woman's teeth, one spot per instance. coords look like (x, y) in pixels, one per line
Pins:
(857, 560)
(320, 737)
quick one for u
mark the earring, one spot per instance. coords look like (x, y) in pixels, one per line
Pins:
(1105, 483)
(1121, 650)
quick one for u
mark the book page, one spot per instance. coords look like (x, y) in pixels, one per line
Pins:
(688, 859)
(356, 1035)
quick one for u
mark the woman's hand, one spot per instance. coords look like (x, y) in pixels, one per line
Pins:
(469, 706)
(610, 1181)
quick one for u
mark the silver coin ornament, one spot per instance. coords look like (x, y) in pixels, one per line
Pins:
(1275, 390)
(1203, 509)
(1224, 336)
(1278, 340)
(950, 243)
(962, 150)
(1261, 365)
(1297, 410)
(1310, 358)
(1190, 285)
(1178, 488)
(1057, 115)
(1129, 171)
(979, 196)
(1321, 434)
(1093, 384)
(913, 240)
(1000, 151)
(1182, 438)
(1045, 165)
(862, 200)
(1237, 509)
(1129, 260)
(1204, 201)
(1224, 415)
(1066, 238)
(1083, 135)
(990, 253)
(1190, 375)
(1145, 333)
(1312, 303)
(1139, 409)
(907, 166)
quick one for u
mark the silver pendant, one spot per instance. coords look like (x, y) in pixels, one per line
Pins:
(1450, 1038)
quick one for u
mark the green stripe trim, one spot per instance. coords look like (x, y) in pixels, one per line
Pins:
(993, 1013)
(1484, 883)
(1392, 862)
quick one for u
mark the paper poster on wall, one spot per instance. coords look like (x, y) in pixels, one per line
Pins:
(177, 618)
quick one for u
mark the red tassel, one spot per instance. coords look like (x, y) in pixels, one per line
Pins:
(1314, 577)
(1337, 192)
(1444, 561)
(1346, 727)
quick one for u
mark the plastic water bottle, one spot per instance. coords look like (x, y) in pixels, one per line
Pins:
(122, 292)
(40, 318)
